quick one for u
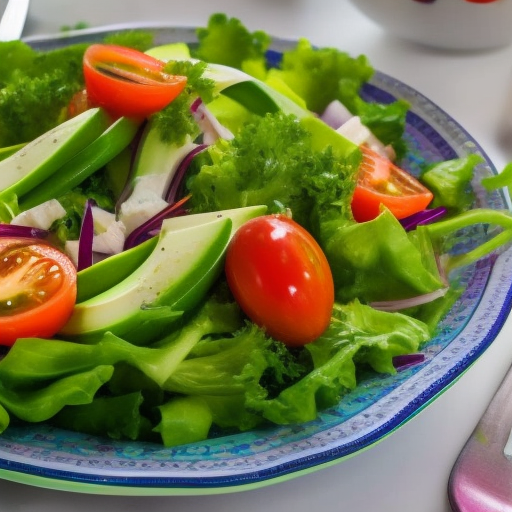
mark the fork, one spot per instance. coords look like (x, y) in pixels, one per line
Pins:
(13, 19)
(481, 479)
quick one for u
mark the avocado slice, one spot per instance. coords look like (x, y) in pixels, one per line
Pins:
(7, 151)
(105, 274)
(97, 154)
(39, 159)
(174, 278)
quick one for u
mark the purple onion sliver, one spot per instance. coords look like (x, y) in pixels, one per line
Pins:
(196, 104)
(423, 217)
(86, 237)
(177, 179)
(152, 226)
(407, 360)
(22, 231)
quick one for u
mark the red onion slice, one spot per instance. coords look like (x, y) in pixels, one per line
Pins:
(152, 226)
(85, 254)
(423, 217)
(175, 185)
(22, 231)
(407, 360)
(210, 126)
(397, 305)
(336, 114)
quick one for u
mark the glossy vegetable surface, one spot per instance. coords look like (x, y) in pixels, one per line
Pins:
(38, 289)
(127, 82)
(281, 279)
(380, 181)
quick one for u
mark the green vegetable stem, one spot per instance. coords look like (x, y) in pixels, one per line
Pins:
(439, 230)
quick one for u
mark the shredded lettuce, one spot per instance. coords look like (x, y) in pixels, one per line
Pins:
(272, 161)
(227, 41)
(175, 122)
(217, 371)
(450, 182)
(36, 87)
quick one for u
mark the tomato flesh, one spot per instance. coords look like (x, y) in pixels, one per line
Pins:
(37, 289)
(281, 279)
(381, 182)
(127, 82)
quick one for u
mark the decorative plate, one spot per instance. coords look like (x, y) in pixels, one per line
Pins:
(48, 457)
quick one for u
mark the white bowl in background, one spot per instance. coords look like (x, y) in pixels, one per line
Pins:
(453, 24)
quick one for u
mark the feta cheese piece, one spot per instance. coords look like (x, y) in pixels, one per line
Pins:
(41, 216)
(144, 202)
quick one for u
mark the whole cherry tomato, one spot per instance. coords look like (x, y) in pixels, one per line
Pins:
(281, 279)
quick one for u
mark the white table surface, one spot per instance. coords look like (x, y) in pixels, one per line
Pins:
(408, 471)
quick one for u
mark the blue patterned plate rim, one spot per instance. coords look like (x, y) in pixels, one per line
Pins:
(381, 404)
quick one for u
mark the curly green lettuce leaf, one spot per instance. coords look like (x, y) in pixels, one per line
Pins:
(42, 403)
(450, 182)
(175, 122)
(227, 41)
(140, 40)
(117, 417)
(15, 57)
(225, 371)
(273, 161)
(320, 75)
(357, 333)
(377, 260)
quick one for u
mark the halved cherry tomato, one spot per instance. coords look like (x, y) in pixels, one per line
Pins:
(380, 181)
(281, 279)
(37, 289)
(127, 82)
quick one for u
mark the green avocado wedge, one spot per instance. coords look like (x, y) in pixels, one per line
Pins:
(174, 277)
(97, 154)
(260, 98)
(39, 159)
(6, 152)
(187, 260)
(105, 274)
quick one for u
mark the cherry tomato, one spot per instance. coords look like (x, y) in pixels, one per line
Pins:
(281, 279)
(37, 289)
(79, 103)
(380, 181)
(127, 82)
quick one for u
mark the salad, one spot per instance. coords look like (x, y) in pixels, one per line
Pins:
(209, 238)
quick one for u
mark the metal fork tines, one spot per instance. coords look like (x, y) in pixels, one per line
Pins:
(13, 19)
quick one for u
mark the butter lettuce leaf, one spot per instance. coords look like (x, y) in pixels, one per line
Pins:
(357, 334)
